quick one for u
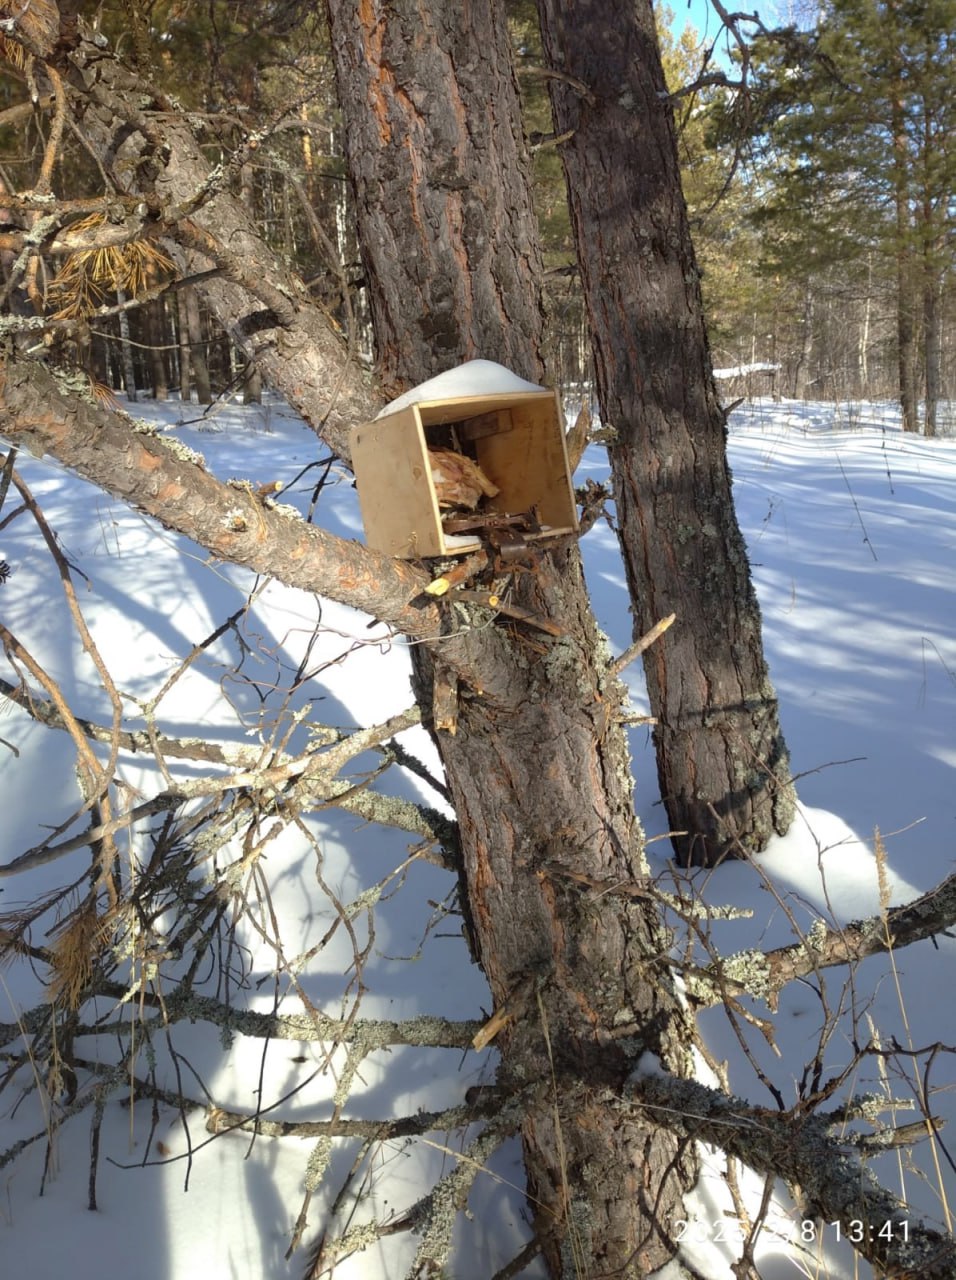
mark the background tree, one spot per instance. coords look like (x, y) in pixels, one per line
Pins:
(722, 761)
(857, 126)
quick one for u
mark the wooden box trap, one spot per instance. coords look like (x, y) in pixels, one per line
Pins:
(434, 476)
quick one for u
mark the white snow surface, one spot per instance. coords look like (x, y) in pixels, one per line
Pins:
(741, 370)
(851, 527)
(473, 378)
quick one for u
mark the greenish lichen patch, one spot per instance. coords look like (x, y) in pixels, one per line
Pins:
(751, 970)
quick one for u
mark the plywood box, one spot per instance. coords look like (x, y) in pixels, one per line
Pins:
(516, 439)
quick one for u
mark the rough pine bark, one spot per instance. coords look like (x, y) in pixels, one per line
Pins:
(539, 772)
(721, 757)
(435, 148)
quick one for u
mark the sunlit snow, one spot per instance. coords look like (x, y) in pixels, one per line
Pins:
(851, 527)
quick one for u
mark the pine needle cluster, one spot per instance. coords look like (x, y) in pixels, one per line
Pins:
(89, 276)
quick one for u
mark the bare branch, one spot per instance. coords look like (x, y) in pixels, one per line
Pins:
(833, 1184)
(290, 340)
(127, 459)
(643, 644)
(765, 974)
(308, 1027)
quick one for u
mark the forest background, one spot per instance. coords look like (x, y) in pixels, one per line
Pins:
(818, 172)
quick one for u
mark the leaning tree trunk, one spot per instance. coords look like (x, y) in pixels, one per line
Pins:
(538, 772)
(721, 757)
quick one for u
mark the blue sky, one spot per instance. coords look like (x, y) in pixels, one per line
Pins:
(701, 15)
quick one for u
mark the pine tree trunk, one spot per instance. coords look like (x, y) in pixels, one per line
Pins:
(419, 218)
(806, 344)
(128, 365)
(182, 327)
(197, 351)
(156, 331)
(721, 757)
(905, 300)
(537, 769)
(906, 341)
(932, 346)
(863, 344)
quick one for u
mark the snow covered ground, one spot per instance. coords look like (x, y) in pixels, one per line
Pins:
(851, 527)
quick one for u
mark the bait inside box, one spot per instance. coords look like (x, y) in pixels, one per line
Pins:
(517, 442)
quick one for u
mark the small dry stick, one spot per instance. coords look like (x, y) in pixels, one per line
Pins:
(510, 1009)
(461, 572)
(492, 601)
(645, 642)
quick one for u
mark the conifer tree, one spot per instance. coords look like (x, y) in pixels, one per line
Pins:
(858, 122)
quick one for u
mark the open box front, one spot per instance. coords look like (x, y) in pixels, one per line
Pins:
(517, 440)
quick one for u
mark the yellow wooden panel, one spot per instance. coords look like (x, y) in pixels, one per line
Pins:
(433, 412)
(529, 463)
(395, 487)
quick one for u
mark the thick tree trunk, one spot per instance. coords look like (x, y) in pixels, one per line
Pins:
(542, 791)
(435, 147)
(722, 761)
(539, 774)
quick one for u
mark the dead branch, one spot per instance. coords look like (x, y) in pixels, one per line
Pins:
(392, 811)
(552, 73)
(424, 1032)
(291, 341)
(834, 1185)
(642, 645)
(765, 974)
(93, 779)
(219, 1121)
